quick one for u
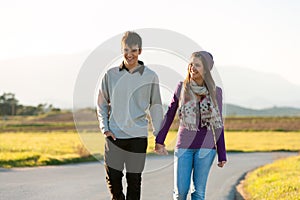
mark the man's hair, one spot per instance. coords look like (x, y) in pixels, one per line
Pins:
(131, 38)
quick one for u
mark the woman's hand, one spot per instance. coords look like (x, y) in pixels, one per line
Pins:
(221, 164)
(160, 149)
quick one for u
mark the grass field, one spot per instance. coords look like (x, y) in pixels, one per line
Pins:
(262, 141)
(40, 148)
(52, 139)
(262, 124)
(279, 180)
(35, 149)
(87, 121)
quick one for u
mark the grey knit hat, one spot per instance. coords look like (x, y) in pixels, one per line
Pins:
(208, 58)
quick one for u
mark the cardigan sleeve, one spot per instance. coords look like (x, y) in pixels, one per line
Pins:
(220, 132)
(169, 116)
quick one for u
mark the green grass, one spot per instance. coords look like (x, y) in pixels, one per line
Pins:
(279, 180)
(42, 148)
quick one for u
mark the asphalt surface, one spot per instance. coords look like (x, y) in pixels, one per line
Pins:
(87, 181)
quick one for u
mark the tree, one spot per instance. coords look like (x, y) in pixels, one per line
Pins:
(8, 104)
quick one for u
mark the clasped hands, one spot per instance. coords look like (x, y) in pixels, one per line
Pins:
(160, 149)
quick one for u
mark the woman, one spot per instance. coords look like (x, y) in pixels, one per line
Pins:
(201, 130)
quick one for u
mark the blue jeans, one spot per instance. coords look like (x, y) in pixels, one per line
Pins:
(199, 162)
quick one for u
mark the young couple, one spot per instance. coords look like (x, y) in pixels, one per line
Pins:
(128, 91)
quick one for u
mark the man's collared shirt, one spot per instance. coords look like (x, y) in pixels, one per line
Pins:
(139, 68)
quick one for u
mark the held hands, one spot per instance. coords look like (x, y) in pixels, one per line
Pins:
(160, 149)
(221, 164)
(110, 134)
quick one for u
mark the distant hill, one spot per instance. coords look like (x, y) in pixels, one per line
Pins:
(255, 89)
(234, 110)
(231, 110)
(52, 79)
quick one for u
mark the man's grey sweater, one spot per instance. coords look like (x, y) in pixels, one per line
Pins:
(124, 99)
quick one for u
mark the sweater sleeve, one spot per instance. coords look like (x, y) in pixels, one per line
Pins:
(220, 132)
(169, 116)
(103, 105)
(155, 109)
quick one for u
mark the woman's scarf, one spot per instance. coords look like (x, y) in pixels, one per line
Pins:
(190, 111)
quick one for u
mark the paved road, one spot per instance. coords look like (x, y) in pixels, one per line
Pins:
(87, 181)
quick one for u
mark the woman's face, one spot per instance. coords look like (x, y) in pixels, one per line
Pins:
(196, 69)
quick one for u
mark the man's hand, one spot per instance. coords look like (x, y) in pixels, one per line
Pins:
(110, 134)
(160, 149)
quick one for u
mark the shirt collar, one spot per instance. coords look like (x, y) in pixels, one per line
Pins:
(139, 68)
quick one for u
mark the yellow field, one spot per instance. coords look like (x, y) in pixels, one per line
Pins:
(40, 148)
(279, 180)
(262, 141)
(34, 149)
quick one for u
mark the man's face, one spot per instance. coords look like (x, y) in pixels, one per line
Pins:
(131, 55)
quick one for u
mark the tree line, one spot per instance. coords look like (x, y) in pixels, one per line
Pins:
(10, 106)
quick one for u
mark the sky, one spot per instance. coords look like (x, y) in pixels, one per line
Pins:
(261, 35)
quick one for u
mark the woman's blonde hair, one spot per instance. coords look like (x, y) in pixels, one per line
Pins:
(207, 61)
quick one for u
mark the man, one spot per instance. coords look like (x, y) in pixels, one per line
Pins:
(126, 93)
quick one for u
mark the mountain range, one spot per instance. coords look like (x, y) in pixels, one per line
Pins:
(51, 79)
(254, 89)
(234, 110)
